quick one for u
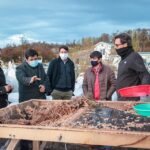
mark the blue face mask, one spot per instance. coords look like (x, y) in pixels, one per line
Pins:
(34, 63)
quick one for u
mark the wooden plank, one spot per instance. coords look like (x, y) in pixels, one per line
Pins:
(89, 137)
(13, 143)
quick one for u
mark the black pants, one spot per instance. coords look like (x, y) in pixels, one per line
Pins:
(25, 145)
(3, 103)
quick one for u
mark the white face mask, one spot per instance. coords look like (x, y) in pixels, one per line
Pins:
(39, 61)
(63, 56)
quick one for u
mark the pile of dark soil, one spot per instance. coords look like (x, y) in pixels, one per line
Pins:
(108, 118)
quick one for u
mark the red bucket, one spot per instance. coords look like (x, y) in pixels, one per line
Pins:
(135, 91)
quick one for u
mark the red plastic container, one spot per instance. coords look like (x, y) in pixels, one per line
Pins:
(135, 91)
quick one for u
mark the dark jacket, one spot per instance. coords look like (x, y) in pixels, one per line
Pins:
(3, 93)
(107, 83)
(54, 72)
(132, 72)
(30, 91)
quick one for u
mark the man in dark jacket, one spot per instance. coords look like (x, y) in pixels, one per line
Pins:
(4, 89)
(131, 70)
(61, 75)
(99, 80)
(31, 77)
(32, 81)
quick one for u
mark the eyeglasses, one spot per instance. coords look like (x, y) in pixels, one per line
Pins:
(118, 45)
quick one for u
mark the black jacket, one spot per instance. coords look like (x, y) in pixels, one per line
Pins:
(132, 72)
(3, 93)
(30, 91)
(54, 71)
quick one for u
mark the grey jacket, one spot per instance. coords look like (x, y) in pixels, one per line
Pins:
(30, 91)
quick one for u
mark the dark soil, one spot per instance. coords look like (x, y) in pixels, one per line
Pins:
(108, 118)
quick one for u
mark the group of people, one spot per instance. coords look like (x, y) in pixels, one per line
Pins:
(99, 80)
(35, 83)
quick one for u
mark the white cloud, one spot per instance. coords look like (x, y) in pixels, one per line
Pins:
(16, 39)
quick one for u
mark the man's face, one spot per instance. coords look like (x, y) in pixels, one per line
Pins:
(63, 51)
(63, 54)
(119, 45)
(95, 59)
(30, 58)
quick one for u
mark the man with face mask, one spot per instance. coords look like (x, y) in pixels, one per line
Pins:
(99, 80)
(4, 89)
(131, 70)
(31, 77)
(32, 81)
(61, 75)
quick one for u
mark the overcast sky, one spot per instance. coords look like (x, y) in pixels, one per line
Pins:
(67, 20)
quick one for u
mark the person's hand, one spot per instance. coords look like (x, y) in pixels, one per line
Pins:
(8, 88)
(42, 88)
(34, 78)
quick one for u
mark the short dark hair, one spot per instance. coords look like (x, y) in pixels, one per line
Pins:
(96, 54)
(124, 38)
(30, 53)
(64, 47)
